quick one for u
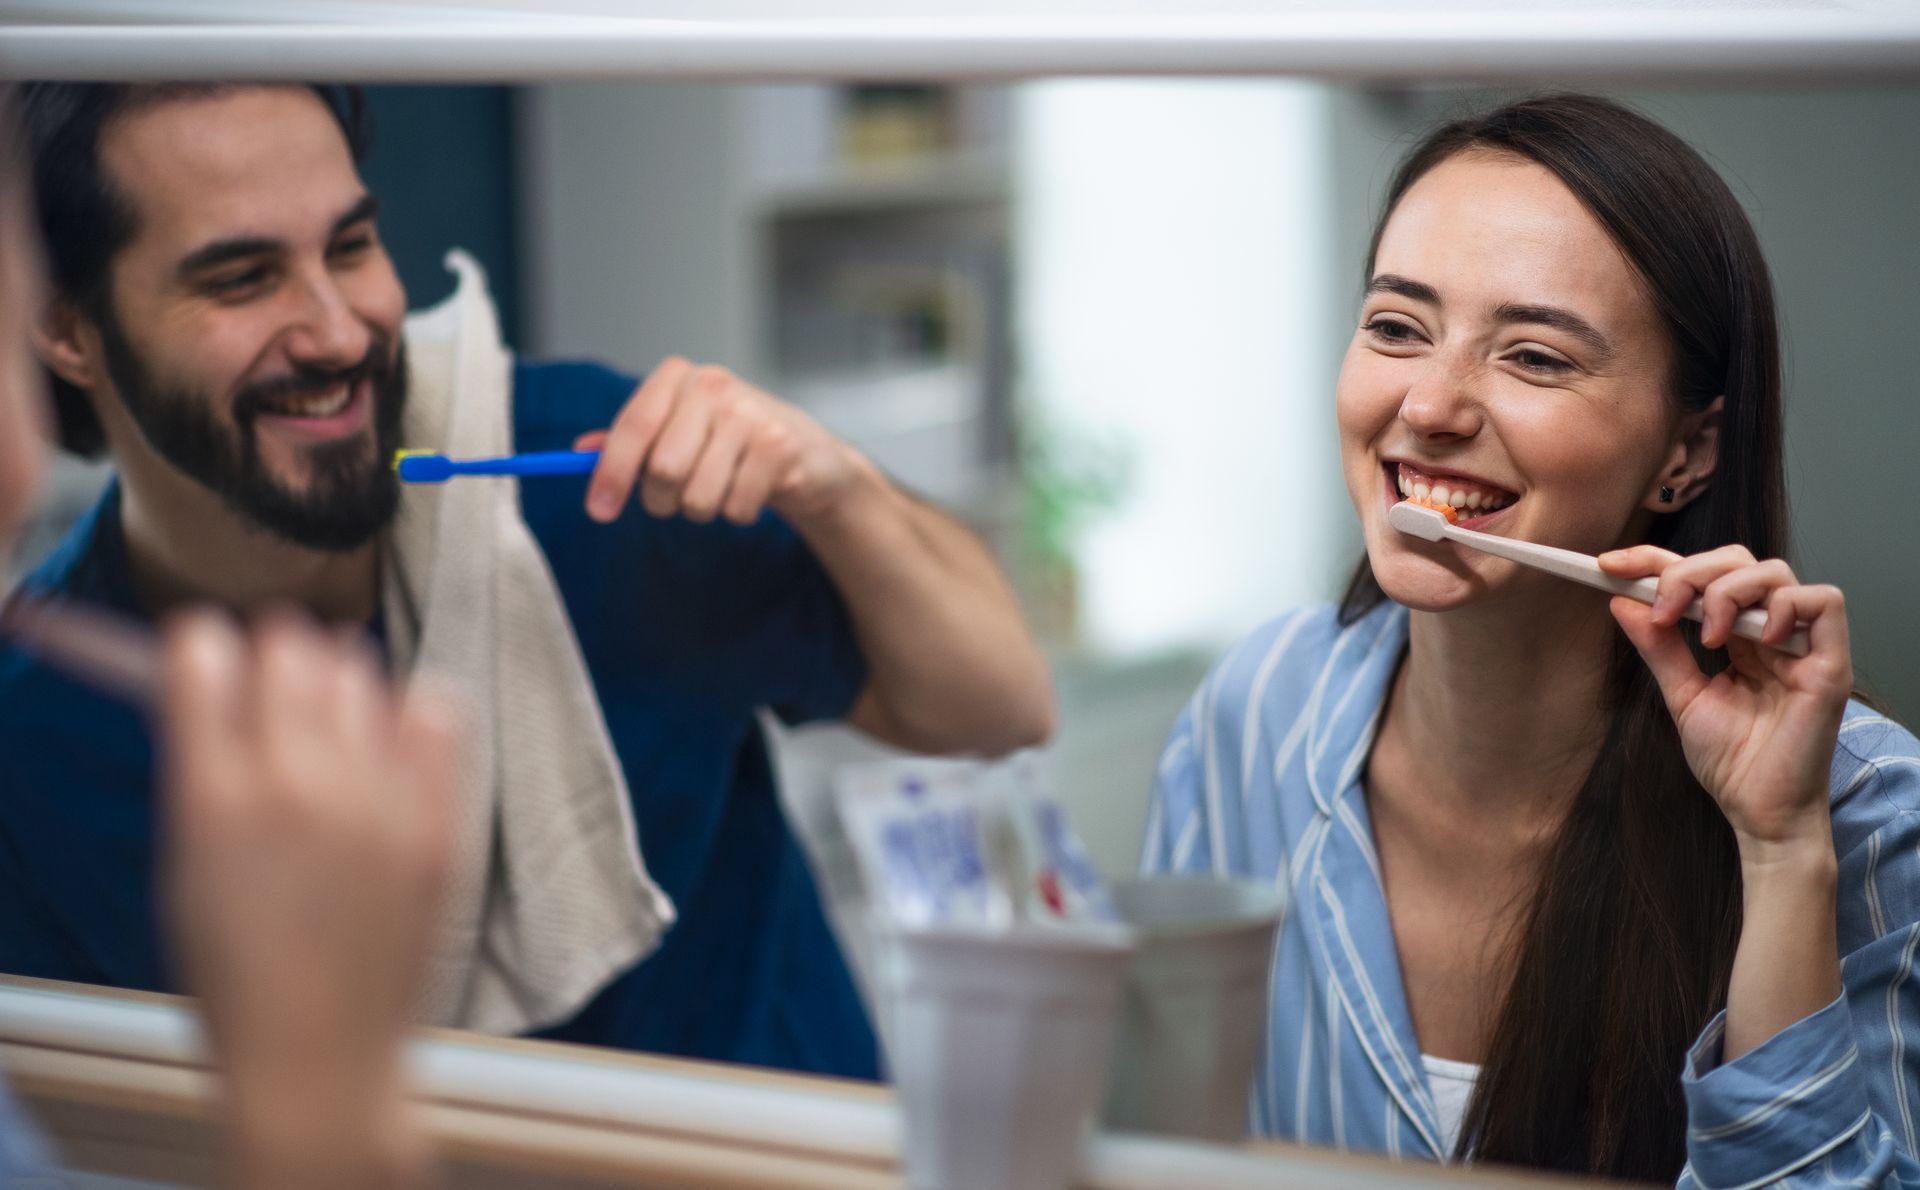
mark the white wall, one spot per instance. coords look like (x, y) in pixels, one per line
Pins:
(1172, 267)
(630, 226)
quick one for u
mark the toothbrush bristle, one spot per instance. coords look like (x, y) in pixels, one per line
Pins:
(1418, 519)
(422, 467)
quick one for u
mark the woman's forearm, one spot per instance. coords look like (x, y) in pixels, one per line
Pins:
(1787, 964)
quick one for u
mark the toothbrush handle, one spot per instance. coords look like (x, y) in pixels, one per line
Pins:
(551, 462)
(1580, 568)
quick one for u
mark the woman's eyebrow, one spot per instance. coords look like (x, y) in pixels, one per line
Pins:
(1560, 319)
(1406, 287)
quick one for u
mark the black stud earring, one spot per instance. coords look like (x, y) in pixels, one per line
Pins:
(1666, 494)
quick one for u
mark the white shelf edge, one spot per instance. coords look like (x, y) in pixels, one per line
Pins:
(944, 180)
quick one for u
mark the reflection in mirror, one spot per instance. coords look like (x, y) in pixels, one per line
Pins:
(1081, 334)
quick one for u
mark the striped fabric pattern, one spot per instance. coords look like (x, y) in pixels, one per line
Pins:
(1260, 778)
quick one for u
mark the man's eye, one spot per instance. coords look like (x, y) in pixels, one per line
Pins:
(353, 245)
(232, 283)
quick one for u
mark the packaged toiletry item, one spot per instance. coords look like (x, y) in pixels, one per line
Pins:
(931, 849)
(967, 843)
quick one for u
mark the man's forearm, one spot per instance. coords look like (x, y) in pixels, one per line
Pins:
(953, 667)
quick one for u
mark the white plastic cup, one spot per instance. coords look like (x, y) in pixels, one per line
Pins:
(1194, 1014)
(1000, 1044)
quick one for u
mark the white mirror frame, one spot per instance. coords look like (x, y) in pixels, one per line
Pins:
(1501, 41)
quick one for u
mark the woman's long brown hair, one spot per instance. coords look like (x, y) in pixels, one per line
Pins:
(1625, 949)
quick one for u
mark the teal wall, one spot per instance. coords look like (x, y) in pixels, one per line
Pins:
(443, 166)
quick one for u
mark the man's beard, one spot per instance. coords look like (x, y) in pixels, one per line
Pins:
(349, 496)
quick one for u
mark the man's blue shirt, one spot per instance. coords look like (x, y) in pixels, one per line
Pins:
(685, 629)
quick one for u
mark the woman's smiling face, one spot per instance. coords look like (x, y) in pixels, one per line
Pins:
(1509, 353)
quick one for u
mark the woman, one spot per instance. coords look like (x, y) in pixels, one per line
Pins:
(305, 853)
(1574, 885)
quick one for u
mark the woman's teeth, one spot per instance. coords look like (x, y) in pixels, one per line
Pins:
(1461, 497)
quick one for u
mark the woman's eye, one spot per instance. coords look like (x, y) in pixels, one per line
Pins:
(354, 246)
(1540, 361)
(1392, 330)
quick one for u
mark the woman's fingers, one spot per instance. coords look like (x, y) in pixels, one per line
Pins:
(1730, 573)
(1683, 581)
(1664, 650)
(1823, 609)
(1728, 581)
(1725, 597)
(1636, 561)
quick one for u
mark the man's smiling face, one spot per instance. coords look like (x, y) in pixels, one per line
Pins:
(252, 328)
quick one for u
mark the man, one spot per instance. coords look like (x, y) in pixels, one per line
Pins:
(227, 324)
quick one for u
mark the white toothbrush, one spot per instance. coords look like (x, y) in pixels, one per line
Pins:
(1430, 524)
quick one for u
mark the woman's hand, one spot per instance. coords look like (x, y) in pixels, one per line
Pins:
(1760, 735)
(305, 855)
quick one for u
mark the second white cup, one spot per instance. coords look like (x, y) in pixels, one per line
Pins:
(1195, 1012)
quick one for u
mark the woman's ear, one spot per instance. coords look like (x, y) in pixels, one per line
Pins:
(1691, 458)
(66, 342)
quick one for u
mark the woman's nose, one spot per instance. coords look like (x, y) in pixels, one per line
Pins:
(1443, 402)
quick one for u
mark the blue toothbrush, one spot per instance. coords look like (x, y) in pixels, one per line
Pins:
(419, 466)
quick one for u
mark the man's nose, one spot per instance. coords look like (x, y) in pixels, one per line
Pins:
(326, 332)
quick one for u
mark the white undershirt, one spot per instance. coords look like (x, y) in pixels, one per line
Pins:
(1452, 1085)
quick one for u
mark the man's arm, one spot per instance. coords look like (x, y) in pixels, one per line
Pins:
(952, 666)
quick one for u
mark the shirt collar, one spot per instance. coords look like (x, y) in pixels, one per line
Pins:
(1344, 895)
(90, 563)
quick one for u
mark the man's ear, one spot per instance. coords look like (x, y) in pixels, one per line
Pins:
(1691, 459)
(68, 343)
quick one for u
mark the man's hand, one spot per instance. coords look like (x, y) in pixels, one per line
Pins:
(700, 442)
(951, 666)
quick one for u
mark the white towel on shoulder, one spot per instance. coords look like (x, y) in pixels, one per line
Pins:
(549, 898)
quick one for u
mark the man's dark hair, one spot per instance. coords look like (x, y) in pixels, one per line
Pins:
(85, 220)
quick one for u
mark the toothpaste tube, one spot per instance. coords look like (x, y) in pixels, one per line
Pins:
(1060, 883)
(930, 850)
